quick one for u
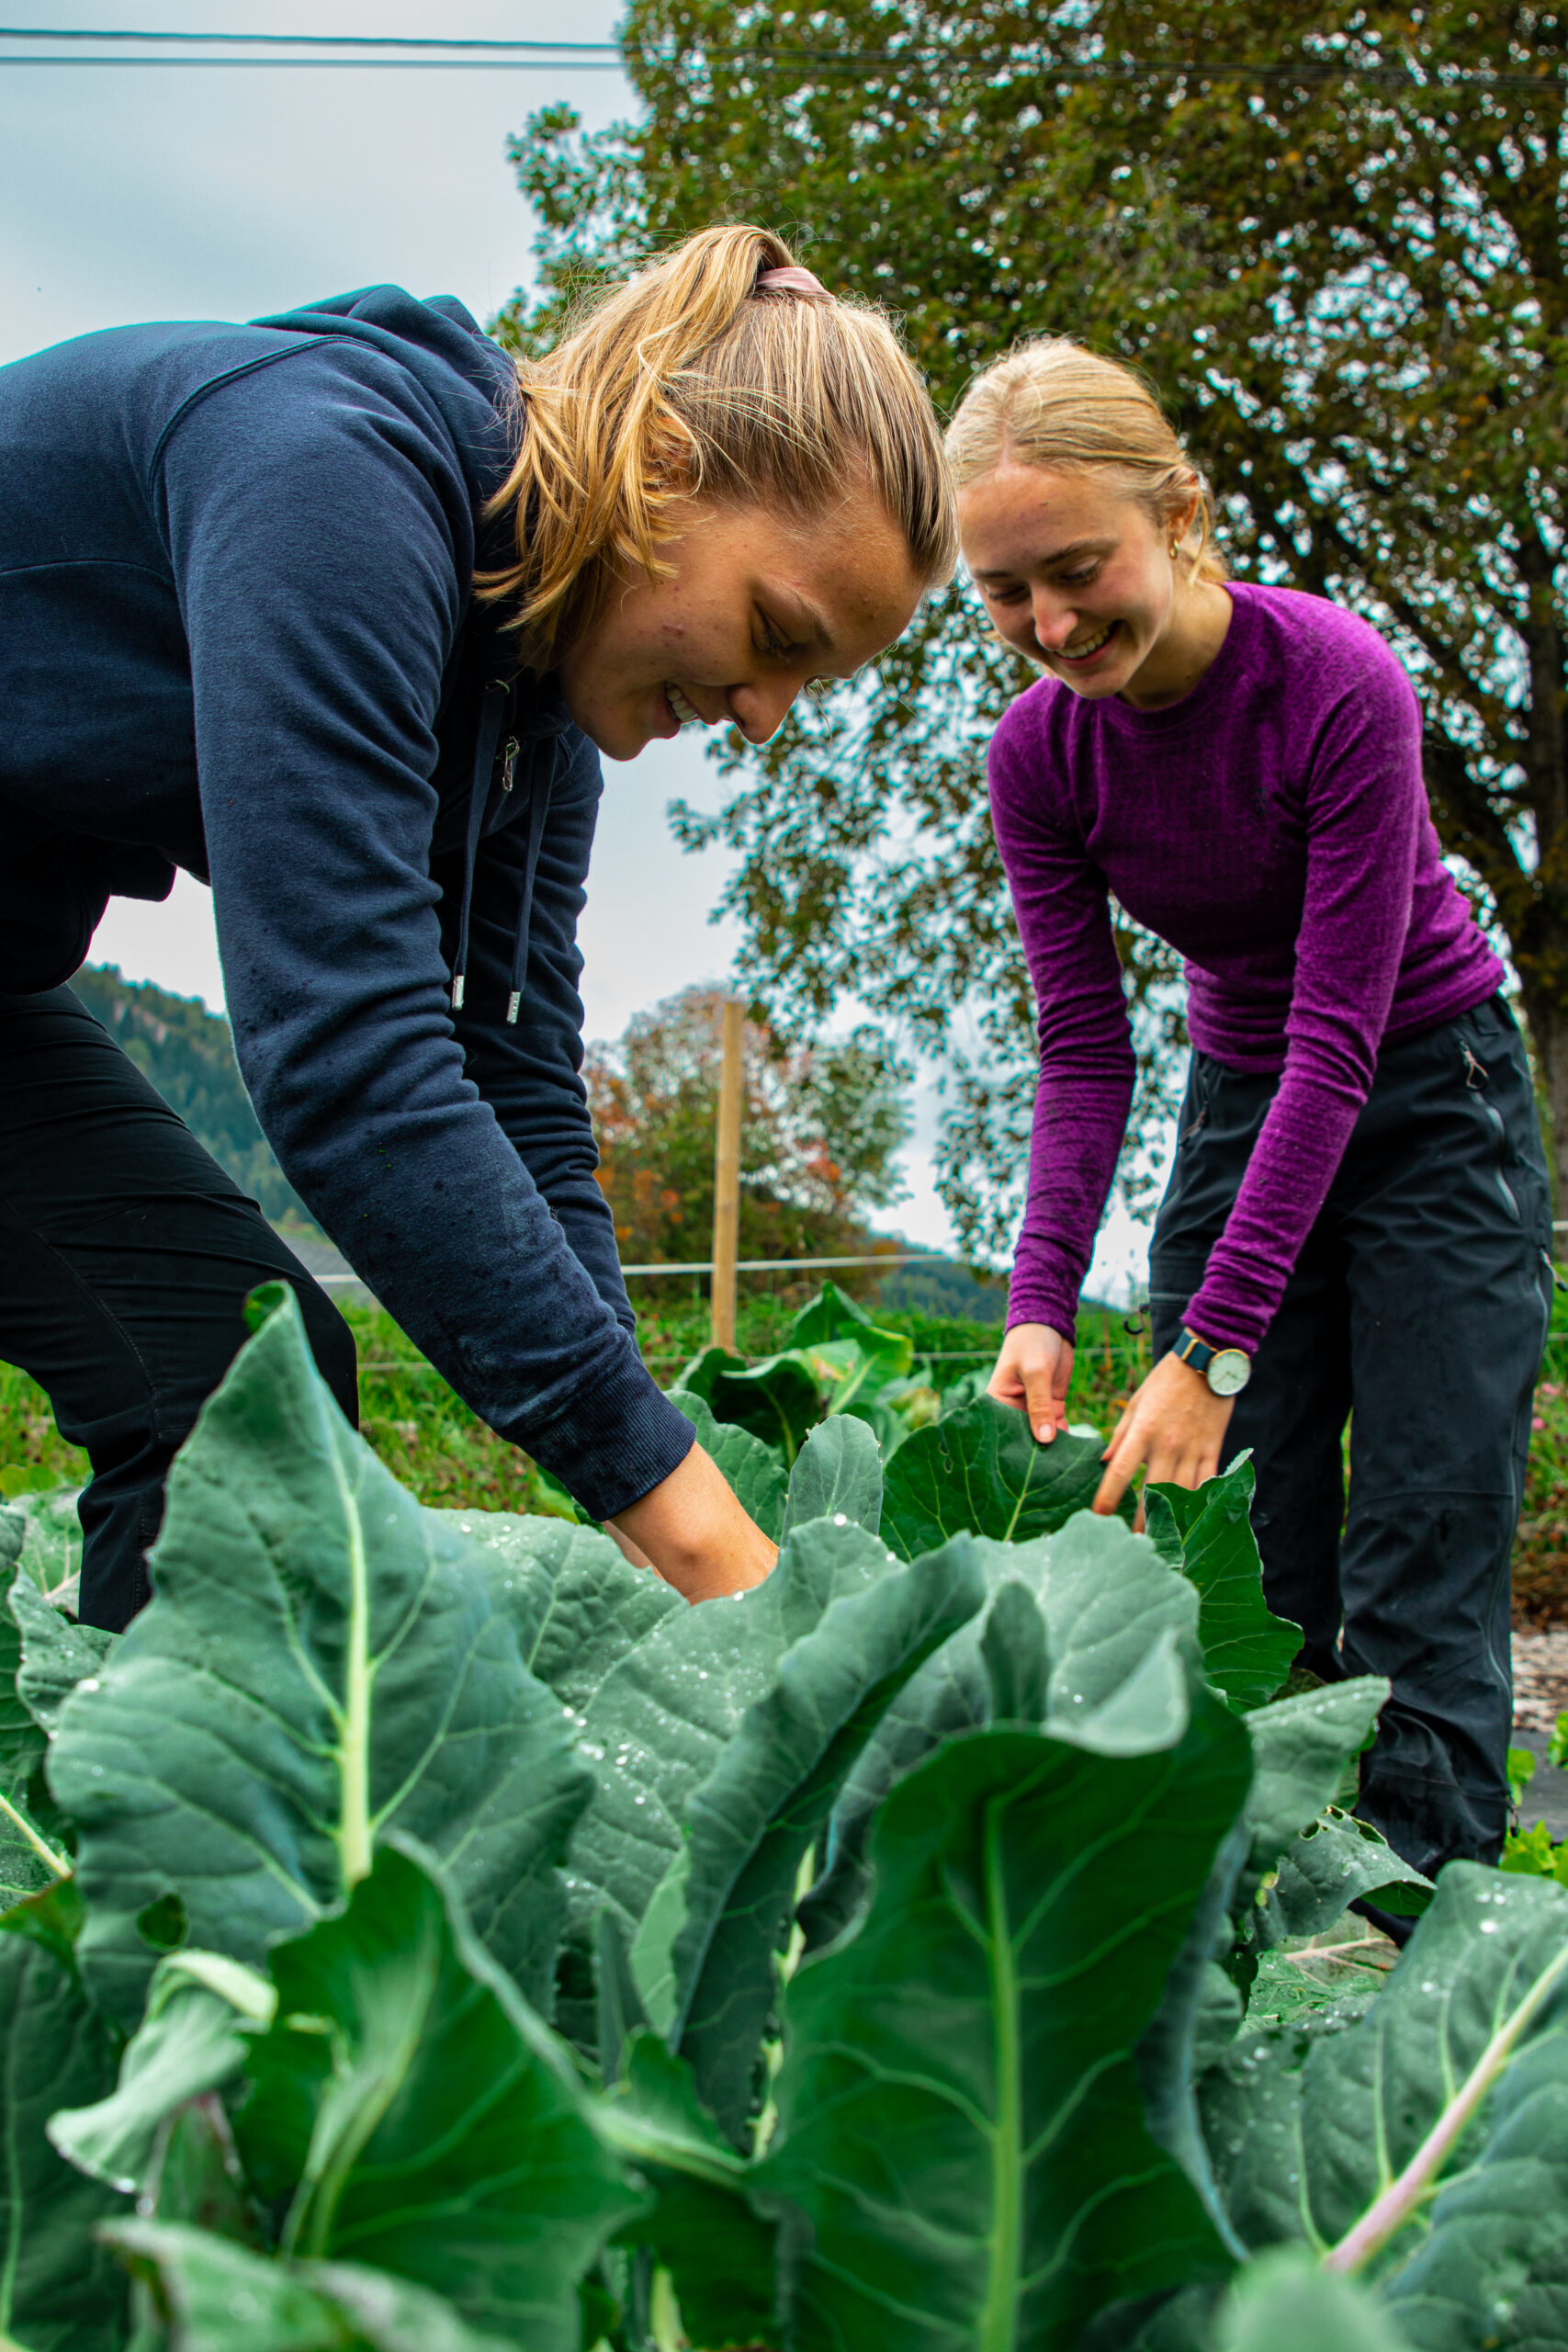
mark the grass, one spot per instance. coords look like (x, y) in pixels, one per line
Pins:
(432, 1445)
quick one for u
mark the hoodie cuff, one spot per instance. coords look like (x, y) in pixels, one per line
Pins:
(618, 1443)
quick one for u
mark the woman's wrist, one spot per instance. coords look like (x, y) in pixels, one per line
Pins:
(696, 1533)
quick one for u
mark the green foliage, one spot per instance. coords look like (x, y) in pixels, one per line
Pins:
(1289, 2304)
(820, 1128)
(1248, 1649)
(415, 2113)
(879, 1909)
(1521, 1765)
(660, 1721)
(58, 2290)
(839, 1469)
(317, 1637)
(1009, 2077)
(1113, 1624)
(982, 1468)
(1532, 1853)
(221, 2297)
(753, 1820)
(1421, 2142)
(187, 2044)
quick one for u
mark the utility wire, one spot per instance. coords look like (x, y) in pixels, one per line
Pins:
(563, 65)
(298, 40)
(508, 55)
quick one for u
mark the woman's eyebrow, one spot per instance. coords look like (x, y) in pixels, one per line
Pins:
(1074, 549)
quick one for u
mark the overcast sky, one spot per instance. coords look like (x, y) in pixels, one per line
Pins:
(130, 193)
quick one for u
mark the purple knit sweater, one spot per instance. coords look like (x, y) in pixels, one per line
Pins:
(1273, 827)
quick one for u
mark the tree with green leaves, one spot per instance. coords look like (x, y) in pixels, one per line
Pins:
(1332, 235)
(820, 1128)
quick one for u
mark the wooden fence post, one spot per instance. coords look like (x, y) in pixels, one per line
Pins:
(727, 1178)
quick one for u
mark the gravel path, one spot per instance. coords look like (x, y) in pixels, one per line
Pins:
(1541, 1693)
(1541, 1678)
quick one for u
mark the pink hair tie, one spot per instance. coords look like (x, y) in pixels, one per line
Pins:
(793, 280)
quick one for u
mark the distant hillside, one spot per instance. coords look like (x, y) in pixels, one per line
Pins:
(946, 1287)
(187, 1054)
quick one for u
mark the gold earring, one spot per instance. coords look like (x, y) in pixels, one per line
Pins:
(1175, 550)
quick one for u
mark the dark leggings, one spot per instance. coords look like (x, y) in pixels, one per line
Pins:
(126, 1255)
(1418, 1310)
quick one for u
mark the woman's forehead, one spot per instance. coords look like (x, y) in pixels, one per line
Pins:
(1057, 510)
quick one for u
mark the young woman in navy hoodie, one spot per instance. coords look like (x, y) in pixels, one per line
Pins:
(337, 611)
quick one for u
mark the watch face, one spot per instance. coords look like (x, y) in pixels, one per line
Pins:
(1229, 1372)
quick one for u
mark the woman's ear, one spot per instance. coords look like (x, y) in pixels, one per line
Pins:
(1184, 514)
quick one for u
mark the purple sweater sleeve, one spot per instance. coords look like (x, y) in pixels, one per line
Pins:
(1086, 1052)
(1366, 808)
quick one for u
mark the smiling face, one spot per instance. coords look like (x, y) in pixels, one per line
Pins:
(758, 606)
(1076, 576)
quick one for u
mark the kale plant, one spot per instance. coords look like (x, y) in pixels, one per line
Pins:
(428, 1933)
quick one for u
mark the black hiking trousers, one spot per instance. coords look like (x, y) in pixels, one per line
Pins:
(126, 1256)
(1418, 1311)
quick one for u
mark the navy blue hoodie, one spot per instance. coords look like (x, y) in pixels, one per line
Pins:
(237, 636)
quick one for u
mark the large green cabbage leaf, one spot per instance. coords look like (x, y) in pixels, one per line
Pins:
(960, 2115)
(1422, 2141)
(409, 2111)
(59, 2290)
(321, 1661)
(1206, 1531)
(980, 1469)
(1107, 1603)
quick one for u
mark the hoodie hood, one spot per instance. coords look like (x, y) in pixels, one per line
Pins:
(468, 379)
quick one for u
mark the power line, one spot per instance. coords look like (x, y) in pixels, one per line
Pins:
(564, 65)
(298, 40)
(470, 54)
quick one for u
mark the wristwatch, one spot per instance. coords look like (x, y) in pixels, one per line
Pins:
(1227, 1370)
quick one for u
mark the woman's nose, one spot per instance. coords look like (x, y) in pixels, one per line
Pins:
(1053, 621)
(761, 708)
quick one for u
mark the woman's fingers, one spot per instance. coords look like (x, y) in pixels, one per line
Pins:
(1120, 1458)
(1172, 1428)
(1032, 1373)
(1112, 1487)
(1044, 1407)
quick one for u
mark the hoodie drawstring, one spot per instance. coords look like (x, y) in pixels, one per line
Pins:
(537, 813)
(492, 713)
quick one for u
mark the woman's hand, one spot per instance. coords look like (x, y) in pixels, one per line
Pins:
(1174, 1425)
(692, 1529)
(1032, 1372)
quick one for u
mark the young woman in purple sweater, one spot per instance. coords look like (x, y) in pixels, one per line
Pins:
(1357, 1225)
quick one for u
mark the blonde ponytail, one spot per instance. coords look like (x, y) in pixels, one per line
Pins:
(693, 379)
(1054, 403)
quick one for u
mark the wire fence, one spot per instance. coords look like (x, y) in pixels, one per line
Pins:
(699, 1266)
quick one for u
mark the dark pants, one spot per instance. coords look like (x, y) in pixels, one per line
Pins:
(1418, 1310)
(126, 1255)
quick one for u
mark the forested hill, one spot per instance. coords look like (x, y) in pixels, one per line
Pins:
(188, 1054)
